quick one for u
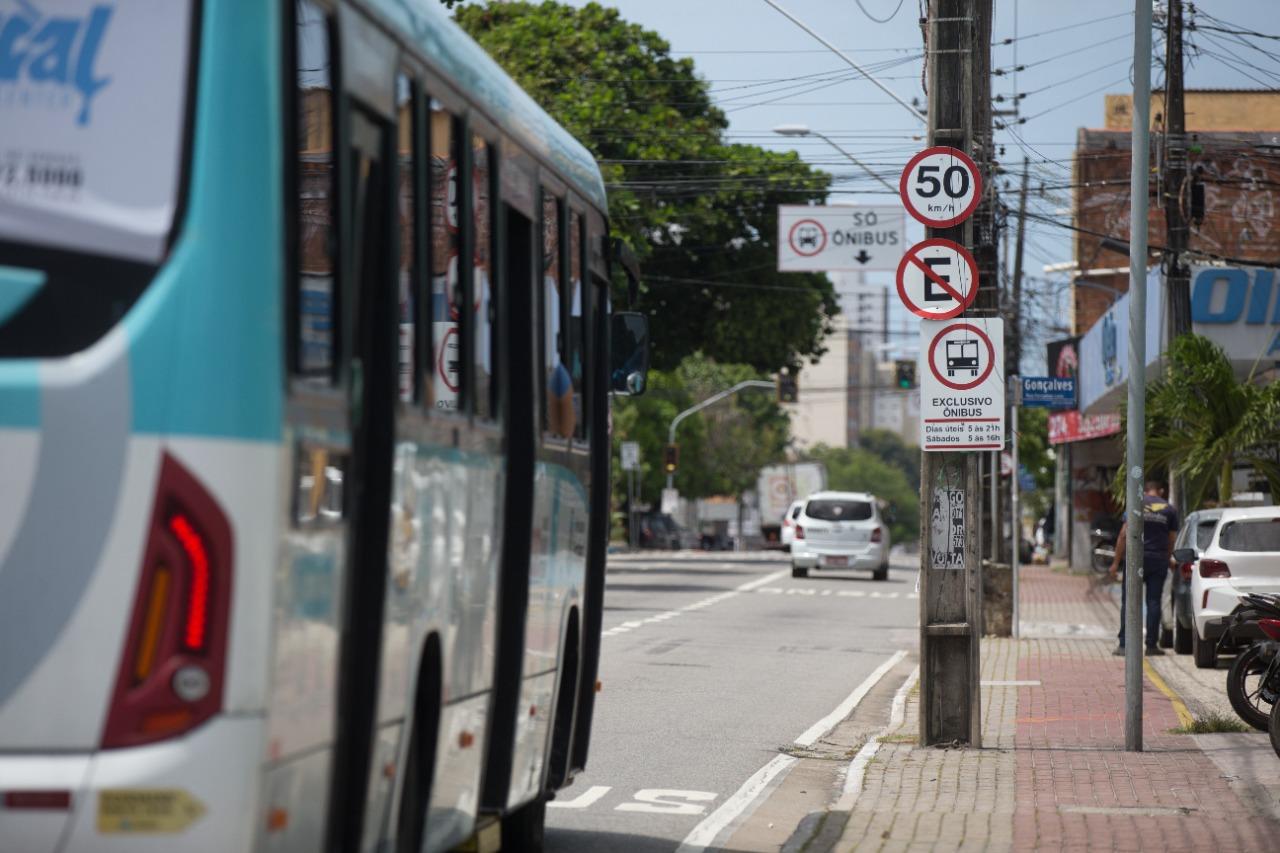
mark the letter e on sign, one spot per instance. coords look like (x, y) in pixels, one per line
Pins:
(940, 186)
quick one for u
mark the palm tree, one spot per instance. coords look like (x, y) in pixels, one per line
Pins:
(1202, 421)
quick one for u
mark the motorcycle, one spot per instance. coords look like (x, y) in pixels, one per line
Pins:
(1102, 540)
(1253, 682)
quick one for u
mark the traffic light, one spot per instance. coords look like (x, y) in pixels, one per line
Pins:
(788, 390)
(671, 458)
(905, 374)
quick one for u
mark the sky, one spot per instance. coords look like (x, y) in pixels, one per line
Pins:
(1073, 54)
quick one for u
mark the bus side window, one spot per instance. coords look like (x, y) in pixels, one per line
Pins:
(576, 354)
(447, 314)
(408, 220)
(316, 304)
(483, 280)
(557, 385)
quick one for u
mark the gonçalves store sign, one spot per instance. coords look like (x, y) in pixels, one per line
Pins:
(1238, 308)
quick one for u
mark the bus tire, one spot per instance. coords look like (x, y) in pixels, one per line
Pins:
(525, 828)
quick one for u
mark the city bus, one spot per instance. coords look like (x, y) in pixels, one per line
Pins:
(306, 348)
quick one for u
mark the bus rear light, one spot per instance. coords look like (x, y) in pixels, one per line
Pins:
(173, 663)
(1214, 569)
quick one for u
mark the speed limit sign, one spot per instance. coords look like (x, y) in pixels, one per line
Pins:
(940, 187)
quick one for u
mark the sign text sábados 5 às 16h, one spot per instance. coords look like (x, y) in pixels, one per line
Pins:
(962, 384)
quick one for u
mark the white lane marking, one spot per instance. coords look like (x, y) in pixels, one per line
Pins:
(844, 593)
(827, 723)
(1009, 683)
(659, 801)
(710, 828)
(858, 767)
(690, 608)
(705, 832)
(584, 800)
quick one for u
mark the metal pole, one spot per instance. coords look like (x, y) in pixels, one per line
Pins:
(1135, 450)
(1015, 559)
(697, 407)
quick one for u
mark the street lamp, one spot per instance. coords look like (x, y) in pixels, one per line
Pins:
(803, 130)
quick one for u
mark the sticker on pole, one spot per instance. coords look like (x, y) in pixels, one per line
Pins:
(962, 384)
(940, 186)
(937, 279)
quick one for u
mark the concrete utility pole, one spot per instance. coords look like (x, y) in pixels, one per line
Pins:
(1135, 449)
(958, 61)
(1013, 369)
(1176, 191)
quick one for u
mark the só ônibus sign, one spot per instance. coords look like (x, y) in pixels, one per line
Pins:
(839, 237)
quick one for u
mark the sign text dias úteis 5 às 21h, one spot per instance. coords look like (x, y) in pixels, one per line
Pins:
(962, 384)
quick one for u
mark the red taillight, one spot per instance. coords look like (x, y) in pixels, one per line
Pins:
(1270, 627)
(1185, 568)
(799, 532)
(877, 535)
(1214, 569)
(171, 671)
(38, 800)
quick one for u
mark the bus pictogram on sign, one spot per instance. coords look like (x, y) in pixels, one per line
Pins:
(807, 237)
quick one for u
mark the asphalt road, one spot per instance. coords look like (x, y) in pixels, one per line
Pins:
(710, 665)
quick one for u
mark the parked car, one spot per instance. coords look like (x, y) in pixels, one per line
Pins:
(1177, 623)
(789, 524)
(1243, 555)
(840, 530)
(660, 531)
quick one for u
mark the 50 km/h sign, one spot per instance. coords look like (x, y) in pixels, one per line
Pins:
(937, 279)
(962, 384)
(940, 186)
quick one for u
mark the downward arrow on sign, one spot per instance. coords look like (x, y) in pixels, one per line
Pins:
(862, 257)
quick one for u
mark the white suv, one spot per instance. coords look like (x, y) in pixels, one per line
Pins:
(1243, 556)
(840, 530)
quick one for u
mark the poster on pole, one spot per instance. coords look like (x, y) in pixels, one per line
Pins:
(962, 384)
(839, 237)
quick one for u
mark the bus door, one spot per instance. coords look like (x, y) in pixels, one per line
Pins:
(339, 427)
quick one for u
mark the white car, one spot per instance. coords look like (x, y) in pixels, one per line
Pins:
(840, 530)
(1243, 556)
(789, 524)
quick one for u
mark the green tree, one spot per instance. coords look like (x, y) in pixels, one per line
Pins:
(859, 470)
(701, 214)
(1037, 456)
(722, 448)
(891, 449)
(1202, 421)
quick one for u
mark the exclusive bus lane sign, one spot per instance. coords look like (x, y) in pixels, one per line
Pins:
(962, 384)
(940, 186)
(937, 279)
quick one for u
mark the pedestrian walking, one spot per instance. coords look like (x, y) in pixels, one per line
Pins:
(1159, 530)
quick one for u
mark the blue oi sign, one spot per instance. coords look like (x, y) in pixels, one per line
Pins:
(1049, 392)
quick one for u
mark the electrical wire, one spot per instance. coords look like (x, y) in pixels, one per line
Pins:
(892, 14)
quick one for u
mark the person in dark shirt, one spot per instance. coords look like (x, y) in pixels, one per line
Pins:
(1159, 530)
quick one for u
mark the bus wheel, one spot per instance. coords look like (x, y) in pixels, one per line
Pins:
(525, 828)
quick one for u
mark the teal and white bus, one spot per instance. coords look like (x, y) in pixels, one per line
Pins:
(306, 348)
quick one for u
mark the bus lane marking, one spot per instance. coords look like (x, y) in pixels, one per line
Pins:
(586, 799)
(691, 608)
(706, 832)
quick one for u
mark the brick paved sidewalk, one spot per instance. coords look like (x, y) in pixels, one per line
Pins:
(1053, 774)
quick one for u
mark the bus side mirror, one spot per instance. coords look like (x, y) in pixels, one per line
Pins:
(628, 353)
